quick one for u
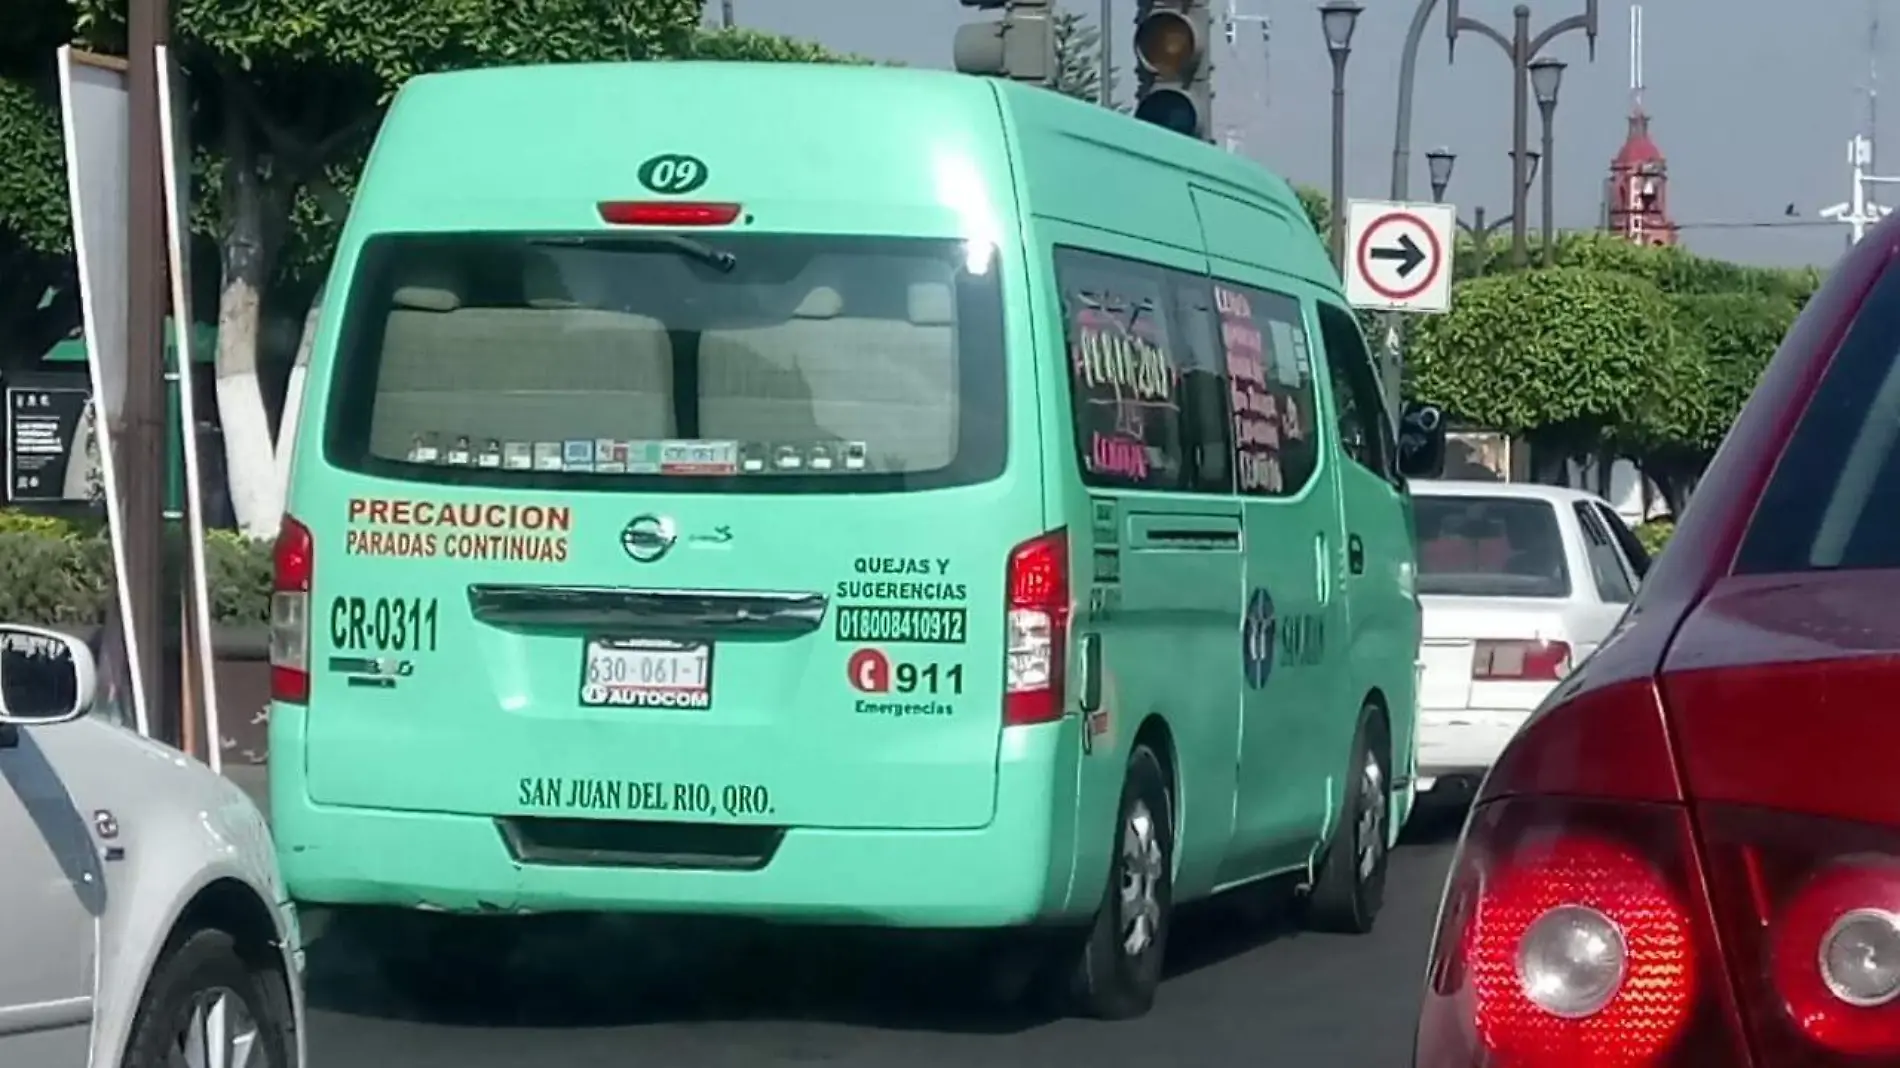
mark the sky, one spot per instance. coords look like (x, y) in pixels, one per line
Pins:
(1752, 101)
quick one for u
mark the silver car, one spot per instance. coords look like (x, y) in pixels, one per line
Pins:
(145, 923)
(1518, 584)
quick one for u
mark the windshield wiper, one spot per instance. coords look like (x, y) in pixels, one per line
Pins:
(717, 258)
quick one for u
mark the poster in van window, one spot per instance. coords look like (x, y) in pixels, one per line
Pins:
(1256, 409)
(1126, 389)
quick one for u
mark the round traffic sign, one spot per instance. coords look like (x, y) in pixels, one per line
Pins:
(1399, 256)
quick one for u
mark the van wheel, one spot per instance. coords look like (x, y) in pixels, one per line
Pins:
(1351, 885)
(206, 1005)
(1117, 969)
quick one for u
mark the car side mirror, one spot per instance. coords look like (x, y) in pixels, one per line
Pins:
(45, 677)
(1422, 441)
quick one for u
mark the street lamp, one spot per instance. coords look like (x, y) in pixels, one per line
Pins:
(1523, 48)
(1439, 162)
(1338, 18)
(1547, 76)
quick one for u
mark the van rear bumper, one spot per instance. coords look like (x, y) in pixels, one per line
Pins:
(1014, 871)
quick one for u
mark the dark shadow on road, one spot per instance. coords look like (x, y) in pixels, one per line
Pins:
(577, 973)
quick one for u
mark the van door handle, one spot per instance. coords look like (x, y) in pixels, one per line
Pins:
(1355, 554)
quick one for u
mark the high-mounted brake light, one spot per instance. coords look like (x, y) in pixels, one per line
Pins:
(293, 564)
(668, 212)
(1036, 630)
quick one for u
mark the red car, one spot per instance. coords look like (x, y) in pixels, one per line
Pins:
(1689, 857)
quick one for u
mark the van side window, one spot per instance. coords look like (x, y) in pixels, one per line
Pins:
(1127, 357)
(1206, 426)
(1365, 434)
(1270, 380)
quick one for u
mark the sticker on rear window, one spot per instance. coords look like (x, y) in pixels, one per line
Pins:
(673, 173)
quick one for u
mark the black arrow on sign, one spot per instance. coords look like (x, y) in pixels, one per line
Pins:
(1407, 253)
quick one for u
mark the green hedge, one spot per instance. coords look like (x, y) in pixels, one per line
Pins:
(59, 572)
(1654, 534)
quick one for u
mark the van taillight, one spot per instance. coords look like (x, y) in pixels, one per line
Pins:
(1810, 912)
(1574, 933)
(1520, 661)
(293, 560)
(1036, 630)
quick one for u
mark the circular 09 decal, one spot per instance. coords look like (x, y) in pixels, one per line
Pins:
(673, 173)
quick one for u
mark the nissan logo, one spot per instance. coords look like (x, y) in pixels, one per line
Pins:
(648, 538)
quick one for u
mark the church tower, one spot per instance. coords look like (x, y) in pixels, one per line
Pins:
(1637, 192)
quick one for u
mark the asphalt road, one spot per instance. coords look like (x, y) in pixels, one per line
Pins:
(1241, 991)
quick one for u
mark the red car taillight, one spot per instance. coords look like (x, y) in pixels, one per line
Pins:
(1575, 933)
(1810, 912)
(293, 562)
(1036, 629)
(1520, 661)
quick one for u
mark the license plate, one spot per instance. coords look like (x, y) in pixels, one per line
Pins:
(646, 673)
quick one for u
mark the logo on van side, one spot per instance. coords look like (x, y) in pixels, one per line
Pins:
(648, 537)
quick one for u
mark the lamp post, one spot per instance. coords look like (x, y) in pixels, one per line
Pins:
(1338, 19)
(1441, 162)
(1522, 47)
(1547, 76)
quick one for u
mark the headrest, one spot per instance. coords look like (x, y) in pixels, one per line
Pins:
(426, 298)
(932, 304)
(821, 303)
(542, 286)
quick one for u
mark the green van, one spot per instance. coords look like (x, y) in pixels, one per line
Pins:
(836, 495)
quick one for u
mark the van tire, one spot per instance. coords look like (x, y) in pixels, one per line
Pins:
(1104, 978)
(206, 965)
(1350, 886)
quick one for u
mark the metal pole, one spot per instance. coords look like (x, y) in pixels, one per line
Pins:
(145, 450)
(1480, 237)
(1550, 185)
(1105, 92)
(1339, 159)
(1520, 136)
(1408, 77)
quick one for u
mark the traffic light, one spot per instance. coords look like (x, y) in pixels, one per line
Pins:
(1020, 46)
(1176, 87)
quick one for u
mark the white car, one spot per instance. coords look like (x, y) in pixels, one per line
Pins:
(1518, 584)
(145, 924)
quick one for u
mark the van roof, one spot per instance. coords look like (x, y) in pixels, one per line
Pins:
(475, 137)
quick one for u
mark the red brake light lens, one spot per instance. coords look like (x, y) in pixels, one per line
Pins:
(1036, 630)
(1520, 661)
(668, 213)
(1810, 911)
(1573, 933)
(293, 565)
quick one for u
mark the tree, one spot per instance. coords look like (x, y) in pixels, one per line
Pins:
(1319, 209)
(1727, 340)
(1558, 356)
(39, 282)
(1079, 57)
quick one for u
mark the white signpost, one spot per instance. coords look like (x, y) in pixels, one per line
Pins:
(1398, 256)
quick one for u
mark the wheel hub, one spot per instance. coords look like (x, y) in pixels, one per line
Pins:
(216, 1029)
(1143, 866)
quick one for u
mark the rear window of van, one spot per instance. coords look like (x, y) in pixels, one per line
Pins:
(756, 363)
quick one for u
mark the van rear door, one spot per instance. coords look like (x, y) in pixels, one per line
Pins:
(642, 526)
